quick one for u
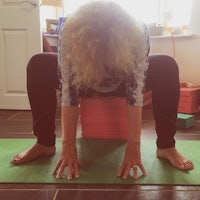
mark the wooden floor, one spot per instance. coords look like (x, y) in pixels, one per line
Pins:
(18, 124)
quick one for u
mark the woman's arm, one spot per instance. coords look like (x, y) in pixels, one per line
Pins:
(135, 90)
(69, 115)
(68, 157)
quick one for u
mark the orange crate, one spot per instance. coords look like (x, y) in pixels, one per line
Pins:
(103, 117)
(189, 100)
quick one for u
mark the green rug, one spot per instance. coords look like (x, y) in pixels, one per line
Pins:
(99, 160)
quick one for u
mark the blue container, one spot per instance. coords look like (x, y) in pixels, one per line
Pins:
(185, 120)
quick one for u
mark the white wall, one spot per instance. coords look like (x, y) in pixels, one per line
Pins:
(187, 55)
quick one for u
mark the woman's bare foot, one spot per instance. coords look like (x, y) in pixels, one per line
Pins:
(34, 152)
(175, 158)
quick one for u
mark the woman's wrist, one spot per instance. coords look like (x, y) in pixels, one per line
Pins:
(68, 143)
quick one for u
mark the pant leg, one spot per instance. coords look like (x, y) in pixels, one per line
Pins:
(42, 81)
(163, 80)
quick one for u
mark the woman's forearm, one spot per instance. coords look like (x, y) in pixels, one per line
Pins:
(69, 119)
(134, 123)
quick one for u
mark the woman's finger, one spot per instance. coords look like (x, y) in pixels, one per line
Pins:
(135, 172)
(70, 169)
(144, 173)
(126, 171)
(76, 170)
(61, 170)
(121, 170)
(56, 167)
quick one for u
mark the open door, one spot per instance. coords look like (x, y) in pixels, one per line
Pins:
(20, 39)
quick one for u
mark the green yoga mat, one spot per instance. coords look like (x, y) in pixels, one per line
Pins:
(100, 161)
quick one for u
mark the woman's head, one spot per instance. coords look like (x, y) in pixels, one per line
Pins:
(98, 36)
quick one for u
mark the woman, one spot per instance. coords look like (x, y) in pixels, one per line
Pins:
(104, 52)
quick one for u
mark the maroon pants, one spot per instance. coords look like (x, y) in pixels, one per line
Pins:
(162, 80)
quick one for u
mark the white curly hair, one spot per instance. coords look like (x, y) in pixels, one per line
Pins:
(98, 36)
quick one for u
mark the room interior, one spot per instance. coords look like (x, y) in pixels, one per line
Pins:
(17, 124)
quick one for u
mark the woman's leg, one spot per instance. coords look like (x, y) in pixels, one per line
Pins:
(42, 81)
(163, 81)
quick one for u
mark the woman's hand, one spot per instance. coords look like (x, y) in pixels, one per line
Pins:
(68, 158)
(132, 160)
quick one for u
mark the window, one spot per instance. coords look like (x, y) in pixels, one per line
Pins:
(165, 15)
(177, 12)
(50, 9)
